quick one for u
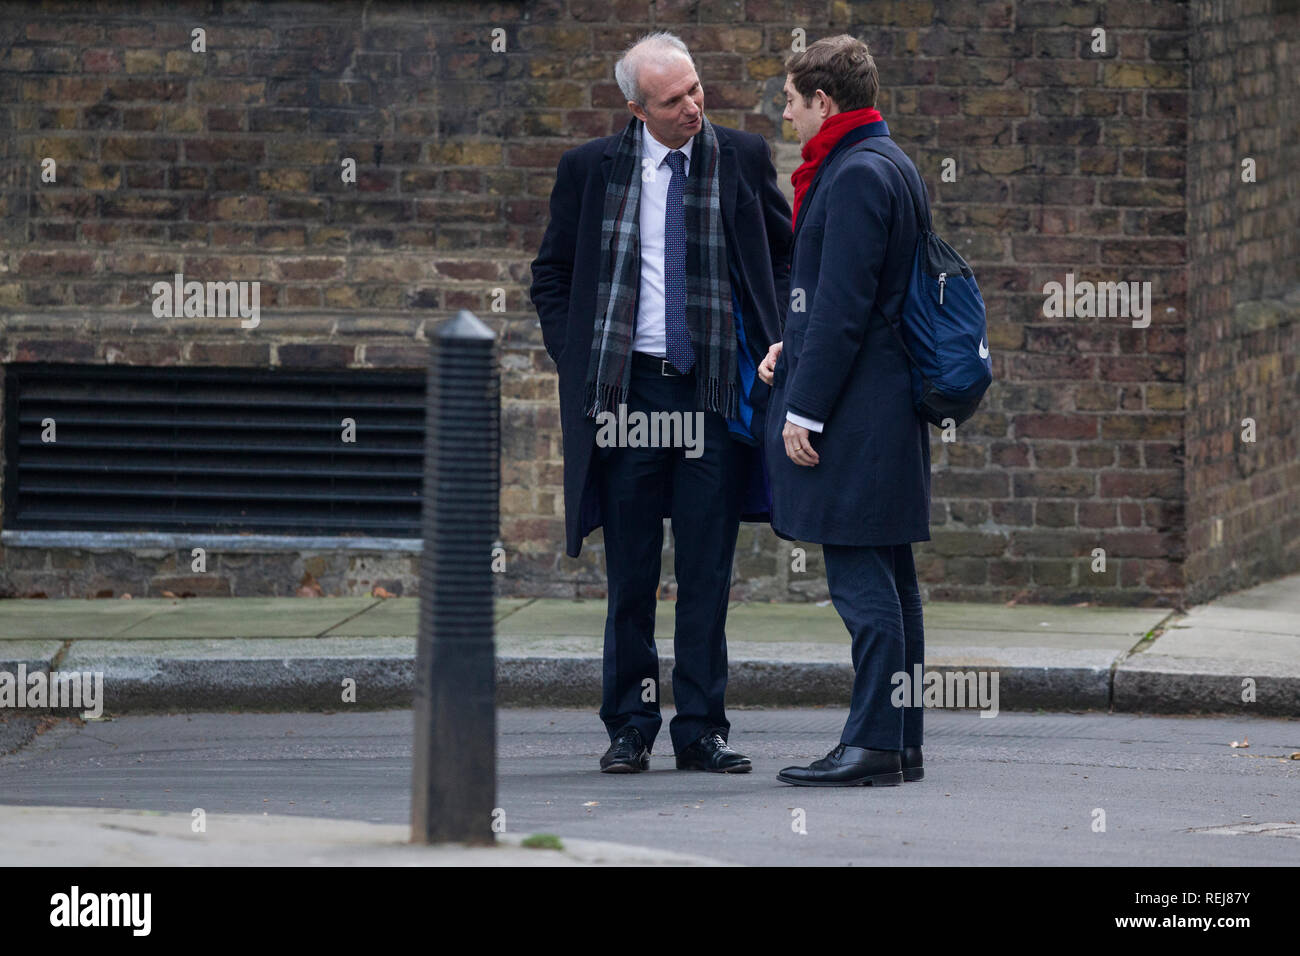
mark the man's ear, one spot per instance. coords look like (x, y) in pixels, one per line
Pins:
(636, 110)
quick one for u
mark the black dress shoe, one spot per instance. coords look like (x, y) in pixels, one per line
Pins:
(847, 766)
(912, 767)
(627, 753)
(711, 752)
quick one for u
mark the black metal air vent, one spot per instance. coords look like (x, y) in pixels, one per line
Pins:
(213, 450)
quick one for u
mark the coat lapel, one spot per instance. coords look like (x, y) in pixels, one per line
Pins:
(726, 181)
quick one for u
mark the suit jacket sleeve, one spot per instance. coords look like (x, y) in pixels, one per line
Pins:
(854, 245)
(553, 267)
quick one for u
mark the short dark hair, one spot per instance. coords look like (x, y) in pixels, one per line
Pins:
(840, 67)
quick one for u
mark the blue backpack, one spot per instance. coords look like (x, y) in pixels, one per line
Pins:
(942, 326)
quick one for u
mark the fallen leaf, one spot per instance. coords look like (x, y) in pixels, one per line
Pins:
(308, 587)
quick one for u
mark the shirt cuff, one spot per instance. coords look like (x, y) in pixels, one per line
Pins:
(808, 423)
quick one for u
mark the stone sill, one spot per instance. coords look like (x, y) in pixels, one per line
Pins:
(131, 540)
(79, 328)
(313, 323)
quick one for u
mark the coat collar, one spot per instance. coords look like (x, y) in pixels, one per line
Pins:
(847, 141)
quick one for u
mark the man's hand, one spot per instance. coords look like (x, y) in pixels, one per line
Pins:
(767, 368)
(798, 445)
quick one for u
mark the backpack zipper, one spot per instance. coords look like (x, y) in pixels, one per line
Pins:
(943, 277)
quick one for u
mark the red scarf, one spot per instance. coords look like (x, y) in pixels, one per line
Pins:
(817, 148)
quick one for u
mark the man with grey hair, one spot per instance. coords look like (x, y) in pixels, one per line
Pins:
(658, 286)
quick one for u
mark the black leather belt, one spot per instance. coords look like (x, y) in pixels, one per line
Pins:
(644, 362)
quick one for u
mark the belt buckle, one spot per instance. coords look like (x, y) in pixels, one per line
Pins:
(664, 367)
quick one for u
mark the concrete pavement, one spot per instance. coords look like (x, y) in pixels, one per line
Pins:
(288, 654)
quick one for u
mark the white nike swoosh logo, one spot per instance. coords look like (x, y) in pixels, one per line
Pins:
(984, 352)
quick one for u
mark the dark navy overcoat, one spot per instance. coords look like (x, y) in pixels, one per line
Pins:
(756, 225)
(841, 364)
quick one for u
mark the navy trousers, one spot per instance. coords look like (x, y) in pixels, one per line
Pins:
(874, 589)
(703, 500)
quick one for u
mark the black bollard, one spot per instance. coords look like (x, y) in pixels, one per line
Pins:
(454, 789)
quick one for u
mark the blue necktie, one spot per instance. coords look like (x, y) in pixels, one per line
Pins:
(677, 337)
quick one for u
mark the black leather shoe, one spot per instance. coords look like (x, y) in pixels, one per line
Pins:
(711, 752)
(912, 767)
(847, 766)
(627, 754)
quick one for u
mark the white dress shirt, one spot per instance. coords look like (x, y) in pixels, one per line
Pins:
(808, 423)
(655, 175)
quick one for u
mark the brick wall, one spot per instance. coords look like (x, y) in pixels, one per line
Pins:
(1243, 498)
(1105, 164)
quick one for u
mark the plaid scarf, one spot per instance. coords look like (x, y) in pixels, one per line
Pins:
(708, 287)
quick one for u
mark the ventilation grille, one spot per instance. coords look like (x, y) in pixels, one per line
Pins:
(213, 450)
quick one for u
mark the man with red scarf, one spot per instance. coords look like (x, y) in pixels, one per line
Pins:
(848, 456)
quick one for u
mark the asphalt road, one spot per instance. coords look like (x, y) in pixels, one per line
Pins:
(1014, 789)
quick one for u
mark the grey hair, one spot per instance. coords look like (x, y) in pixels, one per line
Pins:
(628, 67)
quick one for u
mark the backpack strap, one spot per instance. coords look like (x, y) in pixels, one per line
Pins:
(915, 191)
(922, 218)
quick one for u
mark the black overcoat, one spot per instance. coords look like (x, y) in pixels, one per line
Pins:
(842, 365)
(756, 225)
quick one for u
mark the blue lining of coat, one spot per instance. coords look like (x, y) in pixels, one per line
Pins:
(741, 425)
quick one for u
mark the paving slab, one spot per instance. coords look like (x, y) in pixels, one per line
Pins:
(554, 617)
(400, 617)
(1280, 594)
(23, 619)
(1042, 619)
(1240, 620)
(247, 617)
(558, 617)
(1243, 646)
